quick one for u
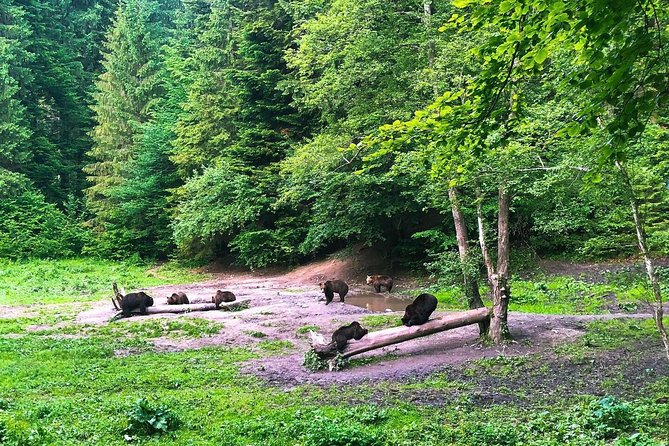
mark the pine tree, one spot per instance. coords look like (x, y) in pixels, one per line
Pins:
(239, 122)
(125, 94)
(14, 57)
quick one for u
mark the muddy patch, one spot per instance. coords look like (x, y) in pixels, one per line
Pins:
(377, 303)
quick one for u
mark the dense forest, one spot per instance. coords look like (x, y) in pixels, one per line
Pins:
(276, 131)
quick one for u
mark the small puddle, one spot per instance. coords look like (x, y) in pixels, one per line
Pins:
(377, 302)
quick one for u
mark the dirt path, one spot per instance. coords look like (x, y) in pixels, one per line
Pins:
(282, 304)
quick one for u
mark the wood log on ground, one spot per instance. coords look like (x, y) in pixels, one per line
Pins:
(189, 308)
(395, 335)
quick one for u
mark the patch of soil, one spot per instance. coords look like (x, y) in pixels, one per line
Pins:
(281, 304)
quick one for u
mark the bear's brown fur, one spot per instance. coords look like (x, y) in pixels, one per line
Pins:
(378, 281)
(334, 286)
(342, 335)
(418, 312)
(179, 298)
(223, 296)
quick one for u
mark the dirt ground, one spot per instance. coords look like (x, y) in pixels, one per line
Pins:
(281, 303)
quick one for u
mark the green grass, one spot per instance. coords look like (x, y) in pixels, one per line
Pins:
(558, 295)
(76, 280)
(306, 329)
(276, 345)
(379, 321)
(80, 391)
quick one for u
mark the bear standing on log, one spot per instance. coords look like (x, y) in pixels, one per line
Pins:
(223, 296)
(334, 286)
(342, 335)
(418, 312)
(132, 301)
(380, 281)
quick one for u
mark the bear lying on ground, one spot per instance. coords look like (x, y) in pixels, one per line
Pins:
(342, 335)
(223, 296)
(334, 286)
(380, 281)
(132, 301)
(419, 311)
(179, 298)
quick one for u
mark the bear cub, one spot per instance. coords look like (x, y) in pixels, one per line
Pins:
(378, 281)
(133, 301)
(179, 298)
(223, 296)
(334, 286)
(342, 335)
(420, 310)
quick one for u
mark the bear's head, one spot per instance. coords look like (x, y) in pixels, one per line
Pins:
(369, 279)
(358, 331)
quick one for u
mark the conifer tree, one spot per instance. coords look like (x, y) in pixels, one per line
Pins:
(125, 94)
(238, 125)
(14, 130)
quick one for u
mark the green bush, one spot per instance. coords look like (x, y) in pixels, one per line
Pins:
(145, 418)
(326, 432)
(609, 417)
(32, 228)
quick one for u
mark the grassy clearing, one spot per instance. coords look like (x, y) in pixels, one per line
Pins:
(75, 280)
(87, 390)
(562, 295)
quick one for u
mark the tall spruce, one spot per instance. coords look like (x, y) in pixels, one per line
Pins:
(125, 93)
(238, 125)
(14, 59)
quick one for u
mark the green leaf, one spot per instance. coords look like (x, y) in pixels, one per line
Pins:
(541, 55)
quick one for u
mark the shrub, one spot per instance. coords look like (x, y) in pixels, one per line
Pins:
(326, 432)
(609, 417)
(145, 418)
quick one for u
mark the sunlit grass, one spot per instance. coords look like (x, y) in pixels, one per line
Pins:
(76, 280)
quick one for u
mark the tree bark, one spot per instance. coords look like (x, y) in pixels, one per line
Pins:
(503, 291)
(187, 308)
(469, 274)
(657, 304)
(431, 47)
(395, 335)
(497, 279)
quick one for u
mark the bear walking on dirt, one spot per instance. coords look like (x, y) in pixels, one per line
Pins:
(133, 301)
(342, 335)
(223, 296)
(378, 281)
(334, 286)
(179, 298)
(418, 312)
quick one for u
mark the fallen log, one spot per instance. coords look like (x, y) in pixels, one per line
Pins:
(395, 335)
(189, 308)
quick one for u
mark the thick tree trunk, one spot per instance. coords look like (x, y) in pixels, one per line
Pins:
(657, 303)
(503, 250)
(395, 335)
(469, 272)
(498, 279)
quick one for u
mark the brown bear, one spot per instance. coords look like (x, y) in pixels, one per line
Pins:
(380, 281)
(132, 301)
(334, 286)
(179, 298)
(223, 296)
(419, 311)
(342, 335)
